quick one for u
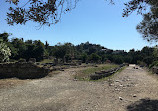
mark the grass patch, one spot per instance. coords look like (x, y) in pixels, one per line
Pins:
(47, 61)
(85, 73)
(121, 69)
(110, 77)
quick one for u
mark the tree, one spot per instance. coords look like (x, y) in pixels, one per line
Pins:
(60, 51)
(39, 50)
(40, 11)
(94, 57)
(5, 52)
(46, 45)
(84, 57)
(118, 59)
(155, 52)
(4, 36)
(149, 25)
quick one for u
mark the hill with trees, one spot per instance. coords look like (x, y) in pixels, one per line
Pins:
(85, 52)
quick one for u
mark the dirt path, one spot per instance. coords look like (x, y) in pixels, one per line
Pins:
(131, 90)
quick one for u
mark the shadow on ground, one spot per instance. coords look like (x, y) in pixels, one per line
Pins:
(144, 105)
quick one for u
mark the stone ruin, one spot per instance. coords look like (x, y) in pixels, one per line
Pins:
(22, 70)
(105, 73)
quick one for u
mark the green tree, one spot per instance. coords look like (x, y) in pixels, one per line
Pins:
(46, 45)
(155, 52)
(59, 51)
(4, 36)
(118, 59)
(39, 50)
(95, 57)
(149, 25)
(84, 57)
(17, 47)
(40, 11)
(127, 59)
(29, 53)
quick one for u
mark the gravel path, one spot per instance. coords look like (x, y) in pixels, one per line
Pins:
(130, 90)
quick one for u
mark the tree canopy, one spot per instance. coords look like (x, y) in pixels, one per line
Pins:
(44, 12)
(149, 25)
(47, 12)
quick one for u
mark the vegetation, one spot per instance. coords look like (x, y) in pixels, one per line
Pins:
(149, 25)
(84, 74)
(155, 63)
(84, 52)
(46, 61)
(5, 52)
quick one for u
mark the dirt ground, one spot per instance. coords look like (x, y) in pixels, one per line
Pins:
(131, 90)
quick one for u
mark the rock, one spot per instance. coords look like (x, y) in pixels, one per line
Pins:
(117, 81)
(75, 79)
(128, 85)
(117, 89)
(111, 84)
(61, 69)
(120, 98)
(121, 85)
(134, 95)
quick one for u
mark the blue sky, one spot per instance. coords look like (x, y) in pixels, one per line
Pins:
(93, 21)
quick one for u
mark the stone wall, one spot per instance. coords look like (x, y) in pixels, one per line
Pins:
(24, 70)
(105, 73)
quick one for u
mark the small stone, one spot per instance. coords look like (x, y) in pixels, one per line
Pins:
(120, 98)
(75, 79)
(117, 89)
(134, 95)
(124, 87)
(121, 85)
(111, 84)
(117, 81)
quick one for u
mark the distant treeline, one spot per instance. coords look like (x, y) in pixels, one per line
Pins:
(86, 52)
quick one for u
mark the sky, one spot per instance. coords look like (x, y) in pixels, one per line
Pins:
(95, 21)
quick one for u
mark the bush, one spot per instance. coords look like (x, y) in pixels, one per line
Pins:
(141, 63)
(5, 52)
(118, 60)
(155, 63)
(95, 57)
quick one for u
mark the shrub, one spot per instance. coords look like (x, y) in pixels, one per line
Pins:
(5, 52)
(155, 63)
